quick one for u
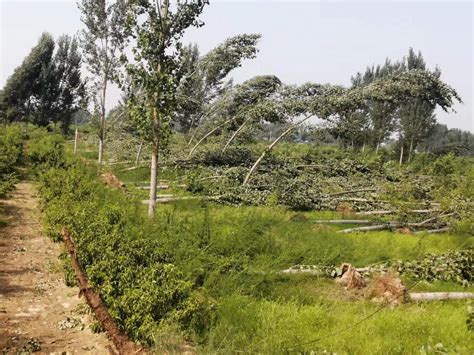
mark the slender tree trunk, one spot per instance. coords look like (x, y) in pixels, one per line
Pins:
(154, 163)
(377, 148)
(410, 151)
(207, 135)
(195, 130)
(101, 150)
(139, 152)
(234, 135)
(153, 180)
(270, 147)
(76, 134)
(102, 121)
(401, 155)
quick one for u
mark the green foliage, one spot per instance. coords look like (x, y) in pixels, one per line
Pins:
(46, 152)
(11, 147)
(25, 85)
(453, 265)
(301, 194)
(230, 157)
(134, 275)
(470, 318)
(444, 165)
(46, 87)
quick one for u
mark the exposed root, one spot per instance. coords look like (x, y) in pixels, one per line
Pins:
(351, 278)
(111, 180)
(387, 289)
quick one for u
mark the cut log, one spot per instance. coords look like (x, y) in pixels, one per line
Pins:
(354, 191)
(368, 228)
(343, 221)
(172, 198)
(429, 220)
(439, 296)
(121, 341)
(369, 213)
(159, 187)
(431, 231)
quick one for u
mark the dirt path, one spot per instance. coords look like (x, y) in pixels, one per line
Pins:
(36, 307)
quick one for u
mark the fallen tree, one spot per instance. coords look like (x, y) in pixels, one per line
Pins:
(121, 341)
(440, 296)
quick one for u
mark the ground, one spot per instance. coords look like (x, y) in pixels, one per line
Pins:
(36, 307)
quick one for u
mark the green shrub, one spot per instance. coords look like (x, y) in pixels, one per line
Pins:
(133, 274)
(11, 144)
(46, 151)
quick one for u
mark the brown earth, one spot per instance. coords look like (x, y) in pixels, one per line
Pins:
(38, 312)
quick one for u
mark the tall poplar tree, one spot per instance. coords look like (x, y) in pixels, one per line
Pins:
(102, 40)
(415, 117)
(157, 27)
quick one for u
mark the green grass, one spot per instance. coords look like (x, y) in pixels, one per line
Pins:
(261, 326)
(258, 310)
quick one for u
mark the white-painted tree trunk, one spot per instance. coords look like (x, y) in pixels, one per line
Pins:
(153, 181)
(401, 155)
(139, 152)
(101, 150)
(76, 135)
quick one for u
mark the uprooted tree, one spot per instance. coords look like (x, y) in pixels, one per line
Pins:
(205, 79)
(327, 102)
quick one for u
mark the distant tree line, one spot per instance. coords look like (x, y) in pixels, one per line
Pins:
(47, 87)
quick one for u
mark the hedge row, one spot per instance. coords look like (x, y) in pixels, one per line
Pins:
(11, 148)
(132, 272)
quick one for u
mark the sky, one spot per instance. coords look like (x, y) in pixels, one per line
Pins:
(302, 41)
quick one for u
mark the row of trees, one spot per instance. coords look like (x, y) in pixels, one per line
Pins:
(168, 86)
(411, 120)
(47, 87)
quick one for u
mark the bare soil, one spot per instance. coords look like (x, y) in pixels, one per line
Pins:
(38, 312)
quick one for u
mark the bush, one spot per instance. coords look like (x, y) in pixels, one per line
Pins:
(11, 144)
(134, 275)
(46, 151)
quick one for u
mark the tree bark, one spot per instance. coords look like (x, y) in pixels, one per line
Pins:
(101, 150)
(139, 152)
(235, 135)
(401, 155)
(410, 151)
(76, 134)
(270, 147)
(154, 163)
(207, 135)
(438, 296)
